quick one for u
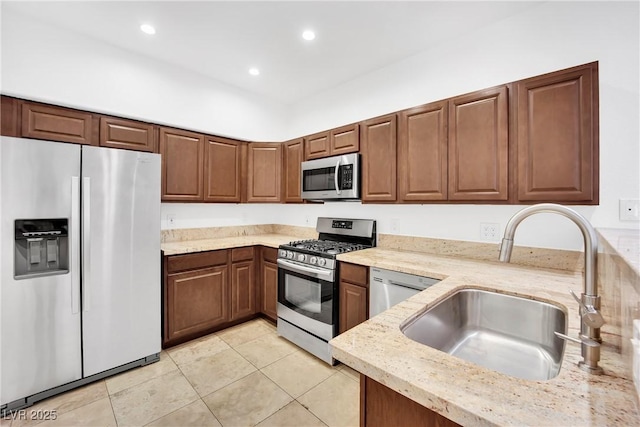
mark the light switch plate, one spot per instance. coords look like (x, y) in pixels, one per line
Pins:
(629, 210)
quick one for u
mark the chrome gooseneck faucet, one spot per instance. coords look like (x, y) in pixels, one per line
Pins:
(590, 318)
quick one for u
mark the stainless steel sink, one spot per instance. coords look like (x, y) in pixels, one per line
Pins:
(508, 334)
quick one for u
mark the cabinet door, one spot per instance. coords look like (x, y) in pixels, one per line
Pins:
(269, 290)
(379, 159)
(222, 170)
(557, 137)
(422, 153)
(293, 157)
(127, 134)
(353, 305)
(243, 292)
(317, 146)
(182, 165)
(345, 139)
(58, 124)
(197, 301)
(264, 174)
(478, 146)
(381, 406)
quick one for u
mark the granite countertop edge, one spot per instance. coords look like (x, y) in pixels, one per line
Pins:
(470, 394)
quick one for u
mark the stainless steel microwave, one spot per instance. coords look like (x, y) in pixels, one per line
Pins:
(331, 178)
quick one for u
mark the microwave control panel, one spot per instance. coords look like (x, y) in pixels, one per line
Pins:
(346, 173)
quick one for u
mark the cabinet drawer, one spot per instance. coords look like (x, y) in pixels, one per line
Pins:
(269, 254)
(197, 260)
(242, 254)
(357, 274)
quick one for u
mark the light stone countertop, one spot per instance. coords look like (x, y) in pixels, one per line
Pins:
(190, 246)
(470, 394)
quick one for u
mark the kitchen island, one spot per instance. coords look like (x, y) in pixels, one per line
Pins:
(469, 394)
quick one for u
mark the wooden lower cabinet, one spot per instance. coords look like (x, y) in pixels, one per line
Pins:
(353, 296)
(353, 305)
(197, 301)
(381, 406)
(243, 292)
(269, 283)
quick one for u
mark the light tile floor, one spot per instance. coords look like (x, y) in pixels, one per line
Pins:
(242, 376)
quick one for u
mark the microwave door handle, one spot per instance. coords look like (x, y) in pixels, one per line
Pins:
(335, 177)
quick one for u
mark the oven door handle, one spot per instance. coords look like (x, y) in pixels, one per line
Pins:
(335, 177)
(318, 274)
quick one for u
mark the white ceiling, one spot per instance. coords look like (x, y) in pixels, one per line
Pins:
(223, 39)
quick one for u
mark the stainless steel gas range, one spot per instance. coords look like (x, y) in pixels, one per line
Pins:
(308, 282)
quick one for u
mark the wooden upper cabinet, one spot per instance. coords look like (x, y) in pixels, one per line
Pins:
(378, 148)
(52, 123)
(293, 157)
(317, 146)
(222, 170)
(557, 137)
(127, 134)
(478, 146)
(10, 116)
(264, 172)
(422, 153)
(345, 139)
(335, 142)
(182, 165)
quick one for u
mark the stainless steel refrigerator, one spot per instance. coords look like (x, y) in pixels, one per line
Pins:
(80, 266)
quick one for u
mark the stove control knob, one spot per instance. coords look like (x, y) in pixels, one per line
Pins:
(289, 254)
(322, 262)
(302, 257)
(313, 260)
(282, 253)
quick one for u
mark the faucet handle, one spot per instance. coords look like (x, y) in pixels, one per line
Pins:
(590, 316)
(583, 340)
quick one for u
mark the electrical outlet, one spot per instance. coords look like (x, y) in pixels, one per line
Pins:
(629, 210)
(171, 219)
(489, 231)
(307, 220)
(394, 225)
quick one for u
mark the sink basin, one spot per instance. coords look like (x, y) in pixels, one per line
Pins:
(505, 333)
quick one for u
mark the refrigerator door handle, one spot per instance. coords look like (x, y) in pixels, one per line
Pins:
(75, 244)
(86, 243)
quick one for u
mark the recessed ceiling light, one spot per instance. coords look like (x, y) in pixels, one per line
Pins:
(148, 29)
(254, 71)
(308, 35)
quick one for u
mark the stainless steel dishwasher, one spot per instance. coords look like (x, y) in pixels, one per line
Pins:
(388, 288)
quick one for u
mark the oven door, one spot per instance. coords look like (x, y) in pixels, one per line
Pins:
(331, 178)
(307, 297)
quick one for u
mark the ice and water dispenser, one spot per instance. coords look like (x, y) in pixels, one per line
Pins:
(41, 247)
